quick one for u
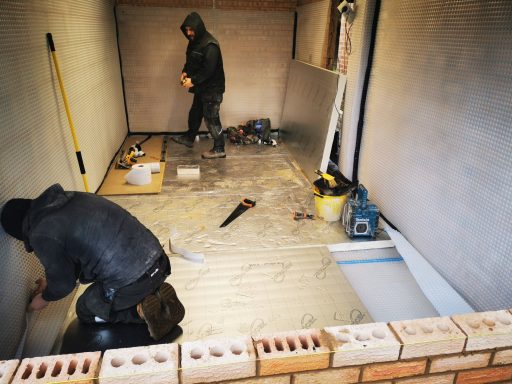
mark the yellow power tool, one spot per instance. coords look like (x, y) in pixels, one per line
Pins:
(328, 179)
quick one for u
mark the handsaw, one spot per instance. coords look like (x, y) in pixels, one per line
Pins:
(244, 205)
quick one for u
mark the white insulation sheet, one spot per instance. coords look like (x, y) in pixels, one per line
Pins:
(437, 139)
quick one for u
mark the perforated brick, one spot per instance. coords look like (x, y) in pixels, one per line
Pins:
(486, 330)
(206, 361)
(153, 364)
(428, 337)
(81, 367)
(7, 369)
(363, 344)
(293, 351)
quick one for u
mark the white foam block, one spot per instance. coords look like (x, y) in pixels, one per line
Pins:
(188, 170)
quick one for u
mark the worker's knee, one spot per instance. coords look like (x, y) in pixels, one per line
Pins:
(91, 305)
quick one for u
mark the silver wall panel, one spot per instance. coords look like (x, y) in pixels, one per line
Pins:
(307, 127)
(437, 147)
(256, 49)
(37, 149)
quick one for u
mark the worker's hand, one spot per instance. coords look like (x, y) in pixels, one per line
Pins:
(41, 286)
(37, 303)
(182, 77)
(187, 83)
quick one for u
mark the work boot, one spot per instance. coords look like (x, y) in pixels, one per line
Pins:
(161, 311)
(215, 153)
(184, 140)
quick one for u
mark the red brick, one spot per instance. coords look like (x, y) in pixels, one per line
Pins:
(487, 375)
(386, 371)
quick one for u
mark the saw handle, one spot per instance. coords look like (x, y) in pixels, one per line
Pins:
(248, 203)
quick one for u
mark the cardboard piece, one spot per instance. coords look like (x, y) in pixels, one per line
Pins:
(115, 184)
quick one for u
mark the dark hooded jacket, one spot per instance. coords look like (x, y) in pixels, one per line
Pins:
(79, 235)
(204, 60)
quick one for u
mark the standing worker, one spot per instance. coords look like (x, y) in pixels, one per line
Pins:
(203, 75)
(81, 236)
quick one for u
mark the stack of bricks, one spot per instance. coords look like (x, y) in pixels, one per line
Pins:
(464, 349)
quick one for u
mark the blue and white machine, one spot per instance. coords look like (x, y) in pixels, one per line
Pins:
(360, 218)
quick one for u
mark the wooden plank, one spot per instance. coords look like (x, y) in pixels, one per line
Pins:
(115, 184)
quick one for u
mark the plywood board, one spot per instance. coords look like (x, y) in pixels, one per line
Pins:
(115, 184)
(260, 291)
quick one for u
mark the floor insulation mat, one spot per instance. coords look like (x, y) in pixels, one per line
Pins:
(258, 292)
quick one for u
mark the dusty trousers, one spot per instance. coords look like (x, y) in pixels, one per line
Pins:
(206, 105)
(120, 306)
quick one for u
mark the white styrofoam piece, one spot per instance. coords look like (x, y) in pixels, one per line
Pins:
(188, 170)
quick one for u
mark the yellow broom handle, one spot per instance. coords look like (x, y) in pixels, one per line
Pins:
(68, 112)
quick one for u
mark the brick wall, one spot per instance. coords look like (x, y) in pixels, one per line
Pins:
(464, 349)
(242, 5)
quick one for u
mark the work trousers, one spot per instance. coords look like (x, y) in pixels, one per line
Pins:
(120, 306)
(206, 105)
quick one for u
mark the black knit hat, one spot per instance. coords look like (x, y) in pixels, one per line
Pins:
(13, 214)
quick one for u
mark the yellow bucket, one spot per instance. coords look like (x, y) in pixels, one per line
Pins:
(329, 208)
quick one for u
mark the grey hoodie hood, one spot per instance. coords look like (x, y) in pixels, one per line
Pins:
(195, 22)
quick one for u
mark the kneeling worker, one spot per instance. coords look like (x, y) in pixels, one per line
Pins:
(82, 236)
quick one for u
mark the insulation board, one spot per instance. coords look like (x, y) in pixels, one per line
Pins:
(309, 115)
(260, 291)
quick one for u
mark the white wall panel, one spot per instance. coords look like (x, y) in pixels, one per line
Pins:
(437, 146)
(37, 149)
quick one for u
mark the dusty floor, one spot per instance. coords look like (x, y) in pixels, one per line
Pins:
(264, 272)
(194, 209)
